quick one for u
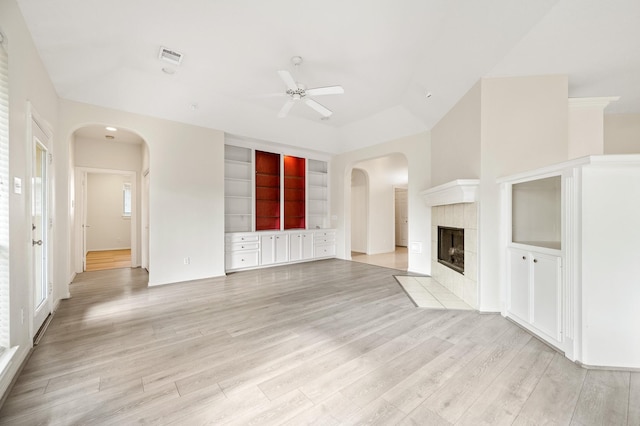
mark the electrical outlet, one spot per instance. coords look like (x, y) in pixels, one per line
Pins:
(187, 260)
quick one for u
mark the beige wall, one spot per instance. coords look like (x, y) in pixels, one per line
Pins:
(524, 125)
(28, 83)
(109, 229)
(455, 141)
(186, 206)
(622, 134)
(417, 152)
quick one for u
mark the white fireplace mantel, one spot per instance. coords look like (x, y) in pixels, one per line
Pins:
(454, 192)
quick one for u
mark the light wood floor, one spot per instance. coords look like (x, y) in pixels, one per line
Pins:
(398, 259)
(108, 259)
(327, 342)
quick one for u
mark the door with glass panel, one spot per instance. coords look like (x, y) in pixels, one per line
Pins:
(39, 230)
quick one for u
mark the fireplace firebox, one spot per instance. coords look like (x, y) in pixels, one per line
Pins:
(451, 248)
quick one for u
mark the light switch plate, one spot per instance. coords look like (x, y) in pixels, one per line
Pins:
(17, 185)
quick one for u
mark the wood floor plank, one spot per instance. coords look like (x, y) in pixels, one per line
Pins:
(503, 400)
(634, 400)
(411, 392)
(326, 342)
(371, 386)
(604, 399)
(377, 412)
(554, 399)
(454, 398)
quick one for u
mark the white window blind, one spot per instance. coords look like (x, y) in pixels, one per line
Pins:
(4, 195)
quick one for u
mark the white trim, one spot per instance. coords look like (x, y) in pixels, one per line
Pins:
(454, 192)
(600, 103)
(80, 172)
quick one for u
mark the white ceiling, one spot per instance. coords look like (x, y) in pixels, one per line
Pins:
(386, 54)
(100, 133)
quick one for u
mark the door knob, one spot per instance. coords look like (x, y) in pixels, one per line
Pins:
(36, 243)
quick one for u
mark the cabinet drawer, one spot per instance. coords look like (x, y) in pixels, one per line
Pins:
(324, 250)
(242, 246)
(240, 238)
(324, 240)
(242, 259)
(325, 234)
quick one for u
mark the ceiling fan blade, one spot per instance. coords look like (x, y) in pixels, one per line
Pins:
(329, 90)
(269, 95)
(286, 108)
(326, 112)
(288, 79)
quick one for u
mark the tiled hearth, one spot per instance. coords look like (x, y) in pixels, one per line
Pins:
(459, 215)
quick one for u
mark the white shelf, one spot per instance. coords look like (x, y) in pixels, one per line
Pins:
(238, 189)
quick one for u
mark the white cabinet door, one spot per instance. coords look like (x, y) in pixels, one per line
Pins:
(295, 247)
(267, 249)
(519, 277)
(281, 248)
(546, 315)
(301, 246)
(307, 245)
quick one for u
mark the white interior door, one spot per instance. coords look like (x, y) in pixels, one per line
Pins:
(402, 217)
(40, 230)
(85, 226)
(145, 220)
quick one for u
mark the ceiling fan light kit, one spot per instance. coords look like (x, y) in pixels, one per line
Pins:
(296, 91)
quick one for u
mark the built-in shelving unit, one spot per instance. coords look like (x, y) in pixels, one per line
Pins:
(276, 208)
(294, 199)
(238, 189)
(317, 195)
(267, 191)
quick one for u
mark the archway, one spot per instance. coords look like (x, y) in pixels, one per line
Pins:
(111, 162)
(379, 178)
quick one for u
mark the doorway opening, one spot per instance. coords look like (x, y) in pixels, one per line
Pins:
(108, 214)
(107, 220)
(379, 212)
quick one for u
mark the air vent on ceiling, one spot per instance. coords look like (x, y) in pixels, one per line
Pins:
(170, 56)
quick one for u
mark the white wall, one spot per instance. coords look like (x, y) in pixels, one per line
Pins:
(186, 190)
(455, 141)
(109, 229)
(622, 134)
(610, 267)
(29, 82)
(416, 150)
(524, 125)
(359, 209)
(586, 128)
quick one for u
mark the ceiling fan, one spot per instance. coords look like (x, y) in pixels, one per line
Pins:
(298, 92)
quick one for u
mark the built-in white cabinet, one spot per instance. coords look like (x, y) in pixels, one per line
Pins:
(535, 294)
(265, 190)
(274, 248)
(324, 243)
(242, 251)
(248, 250)
(301, 246)
(571, 239)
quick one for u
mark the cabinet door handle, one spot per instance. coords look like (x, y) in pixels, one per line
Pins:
(524, 257)
(535, 260)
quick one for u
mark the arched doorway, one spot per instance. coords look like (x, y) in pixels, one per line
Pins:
(107, 165)
(375, 185)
